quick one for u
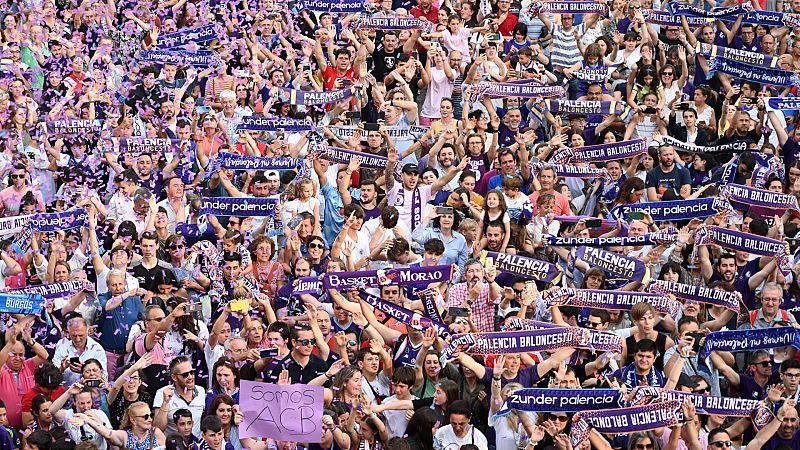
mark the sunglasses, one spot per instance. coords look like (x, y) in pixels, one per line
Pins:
(593, 325)
(668, 74)
(557, 418)
(147, 416)
(701, 391)
(721, 444)
(15, 176)
(177, 247)
(763, 364)
(643, 446)
(307, 342)
(186, 374)
(316, 246)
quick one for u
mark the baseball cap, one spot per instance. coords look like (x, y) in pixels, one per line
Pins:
(411, 168)
(272, 175)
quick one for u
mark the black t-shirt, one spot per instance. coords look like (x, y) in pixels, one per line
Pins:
(384, 62)
(663, 181)
(147, 276)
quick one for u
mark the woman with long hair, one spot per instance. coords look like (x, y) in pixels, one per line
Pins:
(511, 429)
(631, 192)
(42, 418)
(188, 336)
(128, 389)
(224, 380)
(93, 370)
(224, 407)
(420, 429)
(706, 116)
(136, 430)
(346, 385)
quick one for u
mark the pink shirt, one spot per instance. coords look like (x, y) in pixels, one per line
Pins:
(11, 390)
(562, 204)
(159, 354)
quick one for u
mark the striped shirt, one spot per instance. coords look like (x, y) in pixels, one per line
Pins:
(565, 51)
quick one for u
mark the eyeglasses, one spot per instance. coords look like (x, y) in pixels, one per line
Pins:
(351, 343)
(557, 418)
(721, 444)
(643, 446)
(635, 7)
(320, 246)
(186, 374)
(518, 291)
(791, 375)
(135, 378)
(307, 342)
(147, 416)
(177, 247)
(157, 319)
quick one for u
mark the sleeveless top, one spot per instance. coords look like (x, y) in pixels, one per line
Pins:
(661, 346)
(148, 443)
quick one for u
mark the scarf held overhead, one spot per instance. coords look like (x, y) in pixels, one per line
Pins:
(700, 294)
(668, 236)
(561, 400)
(180, 57)
(625, 420)
(522, 265)
(273, 124)
(747, 72)
(609, 152)
(675, 210)
(183, 37)
(408, 317)
(239, 206)
(614, 300)
(401, 276)
(614, 264)
(749, 340)
(746, 242)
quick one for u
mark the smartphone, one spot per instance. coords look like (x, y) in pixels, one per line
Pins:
(457, 312)
(650, 110)
(702, 122)
(75, 360)
(435, 43)
(489, 262)
(683, 107)
(415, 55)
(594, 223)
(635, 215)
(353, 115)
(346, 82)
(203, 109)
(697, 337)
(269, 352)
(295, 222)
(444, 210)
(481, 50)
(92, 383)
(371, 127)
(242, 305)
(194, 307)
(494, 37)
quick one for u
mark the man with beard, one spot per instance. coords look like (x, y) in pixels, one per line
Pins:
(408, 197)
(443, 160)
(495, 233)
(779, 433)
(742, 128)
(367, 196)
(482, 296)
(668, 177)
(385, 59)
(168, 118)
(182, 393)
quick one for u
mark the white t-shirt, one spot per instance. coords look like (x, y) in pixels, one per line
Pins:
(77, 435)
(379, 386)
(403, 200)
(446, 439)
(396, 421)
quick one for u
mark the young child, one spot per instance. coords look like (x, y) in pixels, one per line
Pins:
(496, 211)
(213, 435)
(184, 437)
(538, 226)
(305, 201)
(512, 192)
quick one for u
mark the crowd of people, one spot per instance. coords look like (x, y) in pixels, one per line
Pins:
(458, 212)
